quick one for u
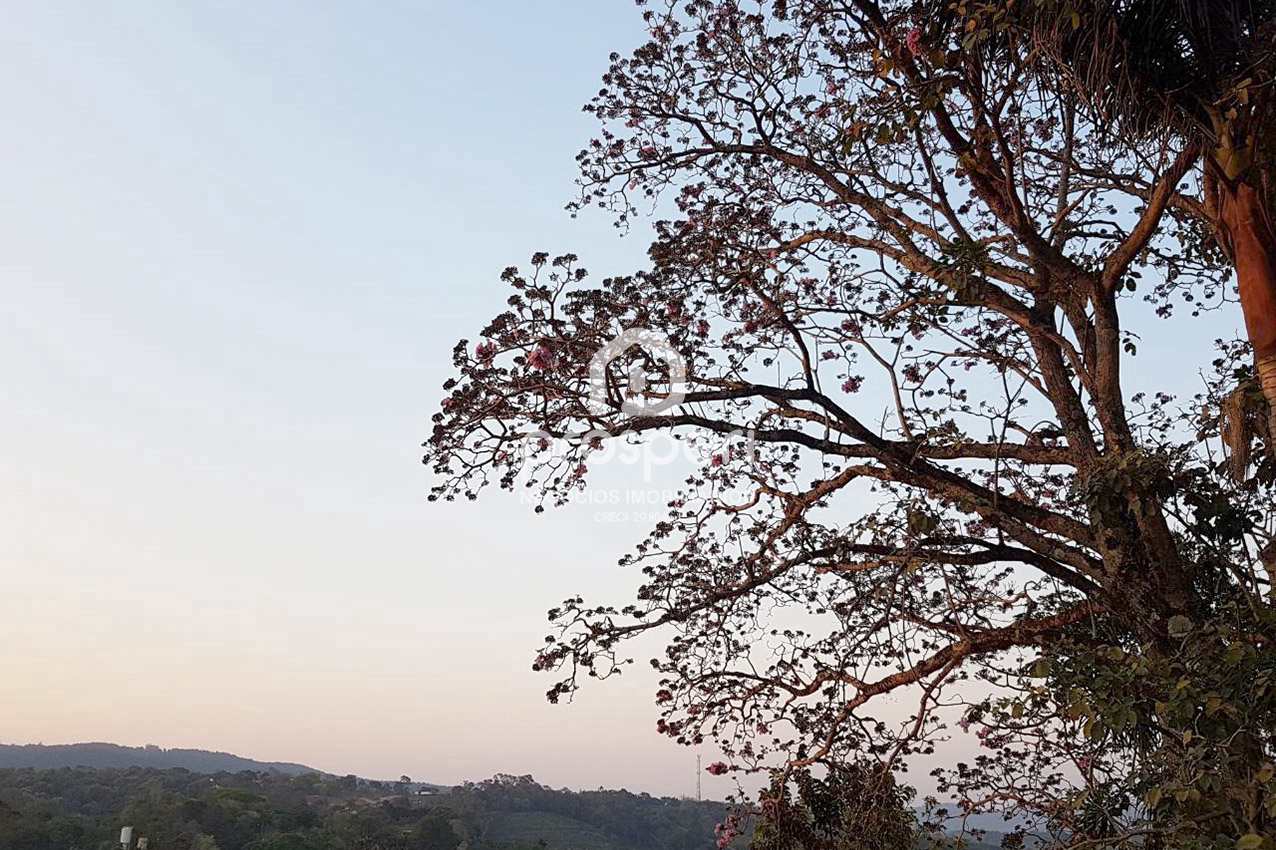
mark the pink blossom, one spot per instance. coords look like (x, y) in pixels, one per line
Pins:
(852, 384)
(485, 351)
(541, 358)
(664, 695)
(717, 768)
(726, 832)
(716, 460)
(914, 41)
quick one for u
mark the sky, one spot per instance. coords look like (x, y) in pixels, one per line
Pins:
(238, 241)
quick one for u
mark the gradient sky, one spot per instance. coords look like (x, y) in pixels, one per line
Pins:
(237, 243)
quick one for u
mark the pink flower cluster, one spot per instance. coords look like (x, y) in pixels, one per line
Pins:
(485, 351)
(717, 768)
(727, 831)
(541, 358)
(914, 41)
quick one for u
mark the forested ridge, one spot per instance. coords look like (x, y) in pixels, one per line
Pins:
(98, 754)
(176, 809)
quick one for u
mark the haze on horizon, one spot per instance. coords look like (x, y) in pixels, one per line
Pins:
(239, 242)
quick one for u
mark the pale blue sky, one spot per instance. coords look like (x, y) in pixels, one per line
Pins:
(237, 243)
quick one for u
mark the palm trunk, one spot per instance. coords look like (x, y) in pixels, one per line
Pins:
(1247, 225)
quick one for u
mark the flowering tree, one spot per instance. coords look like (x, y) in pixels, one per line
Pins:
(899, 261)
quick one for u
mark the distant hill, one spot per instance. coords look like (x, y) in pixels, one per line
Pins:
(99, 755)
(85, 807)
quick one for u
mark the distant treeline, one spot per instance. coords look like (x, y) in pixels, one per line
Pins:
(114, 755)
(83, 809)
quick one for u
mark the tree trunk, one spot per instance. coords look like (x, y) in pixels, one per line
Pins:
(1248, 227)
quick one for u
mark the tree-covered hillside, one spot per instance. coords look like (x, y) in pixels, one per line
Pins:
(83, 809)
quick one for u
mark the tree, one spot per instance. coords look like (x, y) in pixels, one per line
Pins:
(1204, 71)
(436, 832)
(898, 260)
(204, 842)
(852, 807)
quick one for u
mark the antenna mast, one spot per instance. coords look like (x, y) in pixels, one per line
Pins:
(698, 798)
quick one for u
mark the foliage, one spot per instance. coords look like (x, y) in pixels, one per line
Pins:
(853, 807)
(83, 809)
(1173, 748)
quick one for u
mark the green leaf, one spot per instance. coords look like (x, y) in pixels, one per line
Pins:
(1249, 842)
(1179, 626)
